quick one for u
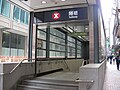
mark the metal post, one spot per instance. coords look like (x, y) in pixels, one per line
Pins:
(30, 36)
(76, 48)
(47, 41)
(66, 48)
(36, 51)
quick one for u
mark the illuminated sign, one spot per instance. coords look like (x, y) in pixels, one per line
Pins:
(80, 13)
(73, 14)
(56, 15)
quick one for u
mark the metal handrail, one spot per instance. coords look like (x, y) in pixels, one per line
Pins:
(84, 81)
(84, 62)
(66, 65)
(88, 85)
(16, 67)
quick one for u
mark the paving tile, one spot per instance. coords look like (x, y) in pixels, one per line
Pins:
(112, 77)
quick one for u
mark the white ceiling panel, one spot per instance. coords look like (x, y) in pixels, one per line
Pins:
(36, 4)
(91, 2)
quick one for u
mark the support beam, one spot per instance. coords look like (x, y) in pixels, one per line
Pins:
(96, 34)
(30, 36)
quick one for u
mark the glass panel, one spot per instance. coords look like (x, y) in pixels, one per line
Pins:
(21, 42)
(78, 51)
(22, 16)
(71, 44)
(57, 40)
(5, 51)
(5, 8)
(21, 52)
(41, 44)
(78, 55)
(70, 49)
(41, 35)
(16, 13)
(41, 53)
(21, 45)
(54, 54)
(71, 55)
(71, 39)
(0, 5)
(13, 45)
(26, 17)
(57, 47)
(14, 40)
(79, 43)
(13, 52)
(6, 39)
(57, 33)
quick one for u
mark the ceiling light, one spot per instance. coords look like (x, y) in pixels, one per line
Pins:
(43, 2)
(86, 28)
(63, 0)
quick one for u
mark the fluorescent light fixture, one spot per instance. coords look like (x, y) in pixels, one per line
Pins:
(86, 28)
(79, 36)
(43, 2)
(69, 29)
(63, 0)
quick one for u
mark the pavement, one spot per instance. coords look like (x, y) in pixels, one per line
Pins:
(112, 77)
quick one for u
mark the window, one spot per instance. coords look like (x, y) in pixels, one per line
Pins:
(41, 43)
(71, 47)
(21, 45)
(5, 9)
(57, 44)
(41, 53)
(20, 15)
(6, 43)
(78, 49)
(26, 17)
(13, 44)
(16, 13)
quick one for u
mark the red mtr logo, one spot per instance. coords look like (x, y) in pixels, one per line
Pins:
(56, 15)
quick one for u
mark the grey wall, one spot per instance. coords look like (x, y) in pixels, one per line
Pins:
(94, 72)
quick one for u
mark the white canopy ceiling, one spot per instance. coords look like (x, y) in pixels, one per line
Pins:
(37, 5)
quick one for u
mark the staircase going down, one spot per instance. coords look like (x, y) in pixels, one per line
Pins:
(54, 81)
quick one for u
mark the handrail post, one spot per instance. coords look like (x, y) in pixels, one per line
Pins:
(89, 83)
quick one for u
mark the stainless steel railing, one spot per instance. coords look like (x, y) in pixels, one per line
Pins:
(84, 61)
(89, 83)
(66, 65)
(84, 81)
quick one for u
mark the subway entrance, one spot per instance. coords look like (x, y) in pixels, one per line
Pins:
(61, 35)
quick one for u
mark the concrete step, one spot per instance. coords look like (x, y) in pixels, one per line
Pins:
(56, 85)
(52, 81)
(56, 81)
(26, 87)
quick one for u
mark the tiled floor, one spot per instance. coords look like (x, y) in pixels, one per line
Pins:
(112, 77)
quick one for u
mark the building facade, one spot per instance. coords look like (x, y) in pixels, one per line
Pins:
(14, 22)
